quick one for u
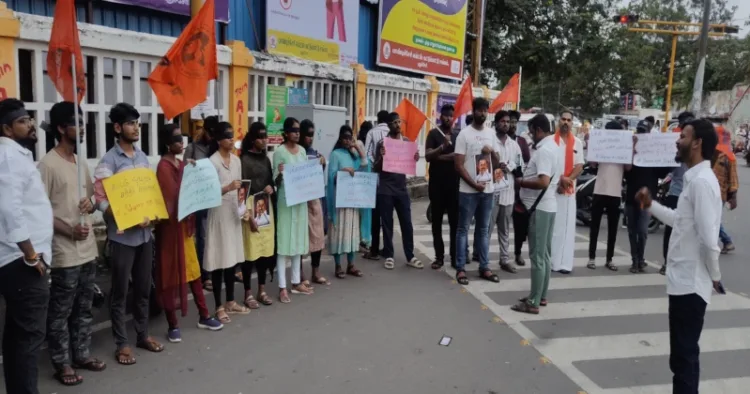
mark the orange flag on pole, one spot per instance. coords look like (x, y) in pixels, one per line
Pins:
(412, 119)
(509, 94)
(63, 45)
(465, 97)
(180, 81)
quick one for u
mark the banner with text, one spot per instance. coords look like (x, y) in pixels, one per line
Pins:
(277, 98)
(133, 196)
(358, 191)
(321, 31)
(610, 146)
(399, 157)
(423, 36)
(181, 7)
(200, 188)
(303, 182)
(656, 150)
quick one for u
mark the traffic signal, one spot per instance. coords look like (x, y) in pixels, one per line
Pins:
(626, 19)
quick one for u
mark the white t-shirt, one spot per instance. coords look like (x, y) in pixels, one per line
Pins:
(469, 143)
(545, 160)
(609, 180)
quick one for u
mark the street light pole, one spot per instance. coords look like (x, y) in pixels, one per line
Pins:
(700, 73)
(669, 84)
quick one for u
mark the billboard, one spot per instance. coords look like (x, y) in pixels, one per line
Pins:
(324, 31)
(181, 7)
(423, 36)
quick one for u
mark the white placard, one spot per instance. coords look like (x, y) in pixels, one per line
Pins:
(610, 146)
(656, 150)
(303, 182)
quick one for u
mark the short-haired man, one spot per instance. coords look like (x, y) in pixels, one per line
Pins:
(374, 137)
(693, 251)
(539, 204)
(131, 250)
(25, 248)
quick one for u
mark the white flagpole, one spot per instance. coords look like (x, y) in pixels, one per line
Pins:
(520, 78)
(79, 166)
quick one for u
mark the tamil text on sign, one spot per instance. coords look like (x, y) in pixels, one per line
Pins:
(303, 182)
(399, 157)
(358, 191)
(656, 150)
(610, 146)
(200, 188)
(133, 196)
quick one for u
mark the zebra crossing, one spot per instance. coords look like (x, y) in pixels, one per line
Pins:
(608, 331)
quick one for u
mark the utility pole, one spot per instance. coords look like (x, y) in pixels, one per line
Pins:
(700, 73)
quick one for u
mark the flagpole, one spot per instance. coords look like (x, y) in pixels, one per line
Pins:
(79, 166)
(520, 78)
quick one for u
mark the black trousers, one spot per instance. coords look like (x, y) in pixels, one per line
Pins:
(442, 202)
(375, 229)
(127, 262)
(686, 313)
(601, 204)
(26, 296)
(520, 230)
(671, 202)
(262, 266)
(402, 205)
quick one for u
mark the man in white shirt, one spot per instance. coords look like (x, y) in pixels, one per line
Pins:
(693, 256)
(571, 161)
(537, 186)
(25, 248)
(502, 207)
(474, 198)
(372, 140)
(607, 195)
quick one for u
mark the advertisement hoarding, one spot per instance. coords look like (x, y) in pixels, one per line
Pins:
(423, 36)
(181, 7)
(324, 31)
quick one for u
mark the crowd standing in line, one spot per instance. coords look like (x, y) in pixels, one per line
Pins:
(533, 187)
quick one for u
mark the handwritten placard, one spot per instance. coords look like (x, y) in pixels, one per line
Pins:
(133, 196)
(358, 191)
(610, 146)
(200, 188)
(303, 182)
(656, 150)
(399, 157)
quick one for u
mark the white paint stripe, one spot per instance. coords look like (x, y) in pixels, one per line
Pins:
(723, 386)
(622, 307)
(574, 282)
(568, 350)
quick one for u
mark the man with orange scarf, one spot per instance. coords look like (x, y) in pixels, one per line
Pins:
(564, 233)
(724, 164)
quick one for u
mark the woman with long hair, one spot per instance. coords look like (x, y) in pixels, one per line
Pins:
(256, 167)
(292, 236)
(224, 225)
(315, 212)
(176, 259)
(343, 235)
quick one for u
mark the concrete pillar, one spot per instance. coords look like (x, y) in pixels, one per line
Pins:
(360, 99)
(10, 28)
(239, 87)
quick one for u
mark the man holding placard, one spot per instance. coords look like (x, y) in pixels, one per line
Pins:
(392, 194)
(131, 250)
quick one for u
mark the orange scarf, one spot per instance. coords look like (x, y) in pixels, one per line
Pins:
(569, 145)
(725, 142)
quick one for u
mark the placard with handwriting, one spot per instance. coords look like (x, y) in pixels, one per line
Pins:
(656, 150)
(303, 182)
(610, 146)
(200, 188)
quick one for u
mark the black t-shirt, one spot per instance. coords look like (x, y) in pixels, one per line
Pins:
(390, 184)
(639, 177)
(443, 174)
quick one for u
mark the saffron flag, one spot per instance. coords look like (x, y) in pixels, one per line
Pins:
(412, 119)
(180, 81)
(509, 94)
(465, 97)
(63, 45)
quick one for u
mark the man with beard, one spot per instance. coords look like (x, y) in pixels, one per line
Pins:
(443, 187)
(571, 161)
(25, 248)
(74, 249)
(520, 140)
(131, 250)
(502, 207)
(474, 198)
(693, 251)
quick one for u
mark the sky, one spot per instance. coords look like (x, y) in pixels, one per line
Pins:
(743, 12)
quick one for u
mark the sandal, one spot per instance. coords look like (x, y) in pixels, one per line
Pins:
(208, 285)
(265, 299)
(301, 289)
(350, 270)
(251, 303)
(488, 275)
(525, 307)
(370, 256)
(151, 345)
(91, 364)
(415, 263)
(592, 265)
(610, 266)
(307, 284)
(542, 302)
(437, 264)
(461, 278)
(663, 269)
(233, 308)
(221, 314)
(238, 277)
(508, 268)
(340, 273)
(124, 356)
(68, 379)
(389, 265)
(321, 280)
(284, 296)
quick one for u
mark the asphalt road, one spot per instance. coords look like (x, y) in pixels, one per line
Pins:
(603, 332)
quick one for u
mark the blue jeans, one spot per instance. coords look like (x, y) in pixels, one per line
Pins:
(479, 206)
(724, 237)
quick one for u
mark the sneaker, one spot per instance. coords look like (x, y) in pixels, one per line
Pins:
(727, 248)
(210, 323)
(174, 336)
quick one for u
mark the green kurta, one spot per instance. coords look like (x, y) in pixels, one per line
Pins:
(291, 227)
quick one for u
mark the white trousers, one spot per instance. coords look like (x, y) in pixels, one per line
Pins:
(281, 269)
(564, 234)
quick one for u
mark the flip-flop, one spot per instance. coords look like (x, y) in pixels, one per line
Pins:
(415, 263)
(489, 276)
(354, 272)
(524, 307)
(124, 356)
(151, 345)
(461, 278)
(60, 377)
(92, 364)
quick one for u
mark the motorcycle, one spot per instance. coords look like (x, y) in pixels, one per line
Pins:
(585, 194)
